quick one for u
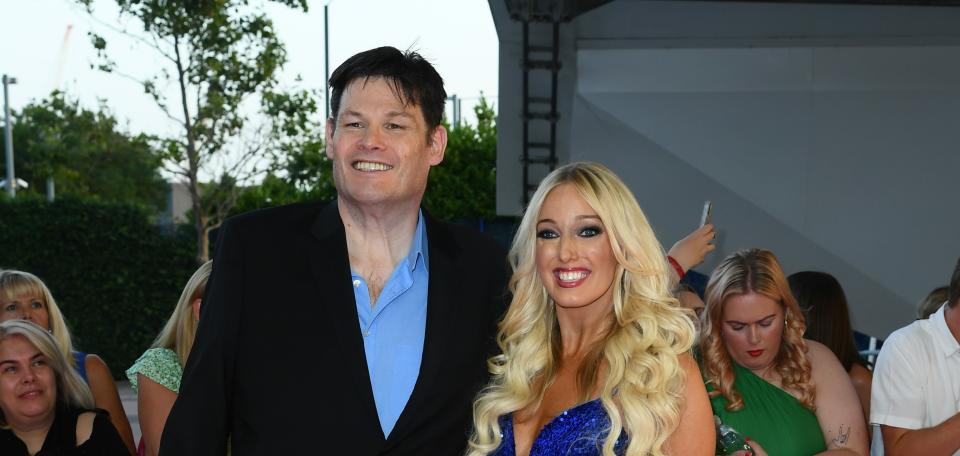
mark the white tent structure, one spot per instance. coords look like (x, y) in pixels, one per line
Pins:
(827, 132)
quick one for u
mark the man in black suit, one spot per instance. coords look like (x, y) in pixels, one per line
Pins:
(358, 327)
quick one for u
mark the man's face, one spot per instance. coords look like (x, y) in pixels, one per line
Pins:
(380, 148)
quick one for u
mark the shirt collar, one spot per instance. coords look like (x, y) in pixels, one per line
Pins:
(418, 249)
(941, 333)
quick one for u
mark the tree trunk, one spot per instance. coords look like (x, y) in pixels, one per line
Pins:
(200, 217)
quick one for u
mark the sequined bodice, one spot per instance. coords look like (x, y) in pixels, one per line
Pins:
(578, 431)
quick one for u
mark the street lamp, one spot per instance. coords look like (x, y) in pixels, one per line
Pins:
(326, 60)
(8, 135)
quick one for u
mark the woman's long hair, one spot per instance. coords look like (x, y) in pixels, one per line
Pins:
(14, 284)
(181, 327)
(744, 272)
(824, 304)
(640, 352)
(71, 389)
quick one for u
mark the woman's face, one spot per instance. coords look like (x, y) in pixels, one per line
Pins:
(28, 385)
(25, 307)
(573, 252)
(752, 327)
(692, 301)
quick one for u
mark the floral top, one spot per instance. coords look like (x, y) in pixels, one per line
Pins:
(160, 365)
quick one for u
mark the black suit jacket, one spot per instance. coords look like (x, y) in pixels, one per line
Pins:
(278, 363)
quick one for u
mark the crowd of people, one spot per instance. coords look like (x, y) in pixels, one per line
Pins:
(366, 327)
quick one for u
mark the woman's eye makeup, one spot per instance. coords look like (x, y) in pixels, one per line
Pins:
(547, 234)
(590, 231)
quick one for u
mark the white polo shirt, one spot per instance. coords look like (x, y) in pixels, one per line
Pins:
(916, 382)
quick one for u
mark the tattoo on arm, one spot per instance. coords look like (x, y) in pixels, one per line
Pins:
(842, 436)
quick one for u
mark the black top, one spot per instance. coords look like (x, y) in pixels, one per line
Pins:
(278, 364)
(62, 438)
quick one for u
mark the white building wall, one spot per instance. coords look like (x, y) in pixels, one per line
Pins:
(828, 134)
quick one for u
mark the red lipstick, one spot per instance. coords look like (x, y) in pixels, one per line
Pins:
(755, 353)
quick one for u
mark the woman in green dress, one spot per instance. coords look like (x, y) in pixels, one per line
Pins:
(787, 395)
(156, 374)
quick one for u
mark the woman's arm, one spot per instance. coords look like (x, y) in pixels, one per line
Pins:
(691, 250)
(862, 380)
(105, 396)
(154, 402)
(696, 433)
(838, 406)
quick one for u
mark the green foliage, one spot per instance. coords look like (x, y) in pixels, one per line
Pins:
(464, 186)
(218, 55)
(86, 153)
(115, 276)
(300, 170)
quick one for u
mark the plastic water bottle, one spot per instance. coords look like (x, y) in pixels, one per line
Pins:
(729, 441)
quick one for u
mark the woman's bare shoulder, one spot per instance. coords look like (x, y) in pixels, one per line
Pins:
(85, 426)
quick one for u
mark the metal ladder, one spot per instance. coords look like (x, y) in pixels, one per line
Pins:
(540, 151)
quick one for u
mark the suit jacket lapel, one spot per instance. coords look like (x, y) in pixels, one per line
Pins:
(330, 267)
(440, 330)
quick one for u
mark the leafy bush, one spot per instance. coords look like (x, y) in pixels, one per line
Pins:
(115, 276)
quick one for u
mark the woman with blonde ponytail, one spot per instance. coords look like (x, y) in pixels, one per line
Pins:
(790, 395)
(155, 376)
(595, 350)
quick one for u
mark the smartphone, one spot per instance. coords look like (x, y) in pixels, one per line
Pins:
(705, 216)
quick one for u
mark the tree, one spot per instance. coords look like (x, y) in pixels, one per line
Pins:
(462, 188)
(221, 56)
(86, 153)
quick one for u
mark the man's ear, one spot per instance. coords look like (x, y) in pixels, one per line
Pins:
(328, 137)
(438, 145)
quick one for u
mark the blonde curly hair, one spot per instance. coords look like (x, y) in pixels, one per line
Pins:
(754, 271)
(641, 350)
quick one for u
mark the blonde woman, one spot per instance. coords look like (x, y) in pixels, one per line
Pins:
(595, 350)
(23, 296)
(45, 407)
(789, 395)
(156, 374)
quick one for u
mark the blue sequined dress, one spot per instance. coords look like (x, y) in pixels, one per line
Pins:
(578, 431)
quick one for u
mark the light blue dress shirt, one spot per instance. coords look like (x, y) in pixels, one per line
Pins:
(393, 329)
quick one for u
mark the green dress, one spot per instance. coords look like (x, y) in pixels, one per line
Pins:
(160, 365)
(771, 416)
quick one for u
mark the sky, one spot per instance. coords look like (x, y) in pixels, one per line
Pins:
(457, 36)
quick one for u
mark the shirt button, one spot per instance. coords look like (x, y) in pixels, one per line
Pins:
(356, 283)
(366, 334)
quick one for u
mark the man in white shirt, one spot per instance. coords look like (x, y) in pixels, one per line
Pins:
(916, 383)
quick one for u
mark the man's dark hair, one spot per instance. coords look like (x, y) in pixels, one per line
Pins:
(412, 78)
(954, 295)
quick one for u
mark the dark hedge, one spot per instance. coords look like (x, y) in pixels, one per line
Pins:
(115, 275)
